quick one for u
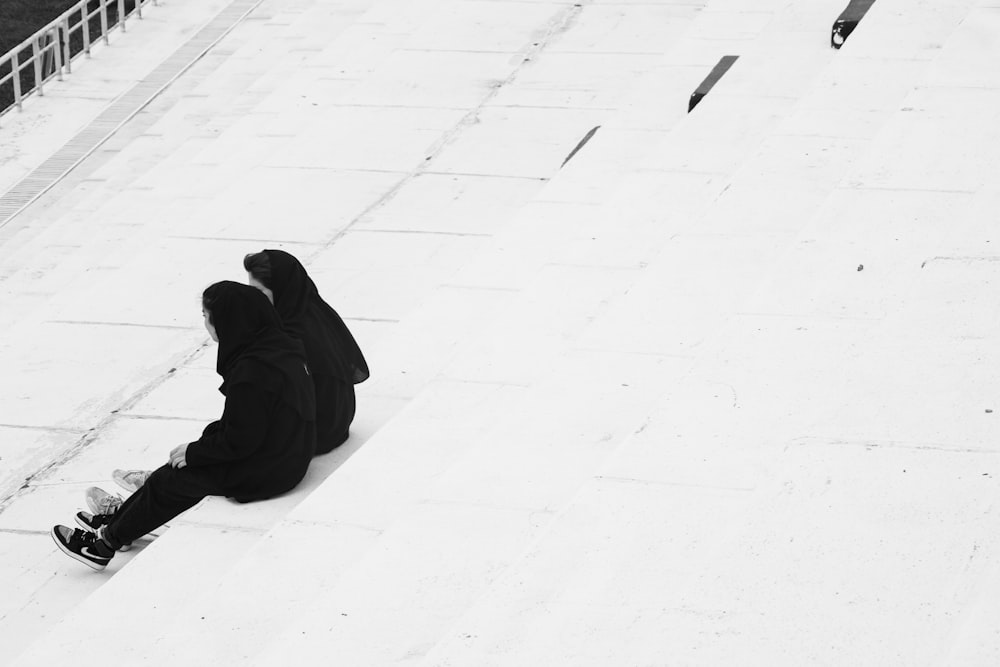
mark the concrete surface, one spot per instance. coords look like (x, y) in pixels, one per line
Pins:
(717, 390)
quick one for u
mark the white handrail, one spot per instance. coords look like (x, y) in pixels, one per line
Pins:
(50, 46)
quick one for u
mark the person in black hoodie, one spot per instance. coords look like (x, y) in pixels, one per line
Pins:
(335, 360)
(260, 448)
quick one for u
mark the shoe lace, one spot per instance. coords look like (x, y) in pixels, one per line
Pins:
(85, 536)
(137, 477)
(110, 503)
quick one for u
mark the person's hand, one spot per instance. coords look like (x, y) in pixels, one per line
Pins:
(178, 456)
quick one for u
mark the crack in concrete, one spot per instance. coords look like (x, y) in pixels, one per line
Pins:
(426, 232)
(806, 441)
(656, 482)
(52, 429)
(22, 531)
(961, 258)
(386, 320)
(160, 417)
(123, 324)
(8, 495)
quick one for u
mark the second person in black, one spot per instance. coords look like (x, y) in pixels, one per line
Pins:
(335, 360)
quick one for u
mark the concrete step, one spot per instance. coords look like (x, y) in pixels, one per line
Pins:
(133, 435)
(357, 607)
(108, 198)
(478, 371)
(854, 517)
(469, 490)
(68, 315)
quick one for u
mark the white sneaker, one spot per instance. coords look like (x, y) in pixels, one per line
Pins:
(101, 502)
(130, 480)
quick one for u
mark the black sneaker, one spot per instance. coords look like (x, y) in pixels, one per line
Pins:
(83, 545)
(94, 522)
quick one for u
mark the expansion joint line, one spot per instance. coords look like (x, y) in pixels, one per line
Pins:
(9, 495)
(556, 27)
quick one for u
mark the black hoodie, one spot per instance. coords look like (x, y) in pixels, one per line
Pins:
(330, 347)
(263, 443)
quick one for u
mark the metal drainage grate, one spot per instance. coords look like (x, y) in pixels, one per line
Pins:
(87, 140)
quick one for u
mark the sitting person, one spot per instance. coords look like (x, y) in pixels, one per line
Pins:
(335, 360)
(260, 448)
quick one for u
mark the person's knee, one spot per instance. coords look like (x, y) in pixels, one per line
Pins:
(170, 482)
(165, 475)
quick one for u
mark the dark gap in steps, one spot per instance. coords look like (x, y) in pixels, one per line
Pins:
(713, 77)
(848, 21)
(580, 145)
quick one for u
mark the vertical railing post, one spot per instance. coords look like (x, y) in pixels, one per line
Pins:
(67, 55)
(38, 67)
(49, 53)
(104, 21)
(15, 69)
(57, 55)
(85, 15)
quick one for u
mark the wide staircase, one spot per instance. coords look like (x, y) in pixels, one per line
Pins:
(715, 389)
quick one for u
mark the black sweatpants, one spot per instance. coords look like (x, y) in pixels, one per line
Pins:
(167, 493)
(335, 407)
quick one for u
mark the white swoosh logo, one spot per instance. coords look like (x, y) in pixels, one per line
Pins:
(90, 554)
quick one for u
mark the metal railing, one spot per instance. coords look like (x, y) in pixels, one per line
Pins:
(50, 52)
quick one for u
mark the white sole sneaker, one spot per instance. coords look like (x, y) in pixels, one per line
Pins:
(130, 480)
(100, 501)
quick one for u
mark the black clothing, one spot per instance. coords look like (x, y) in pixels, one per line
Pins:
(330, 347)
(335, 360)
(259, 448)
(249, 330)
(262, 445)
(167, 493)
(333, 424)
